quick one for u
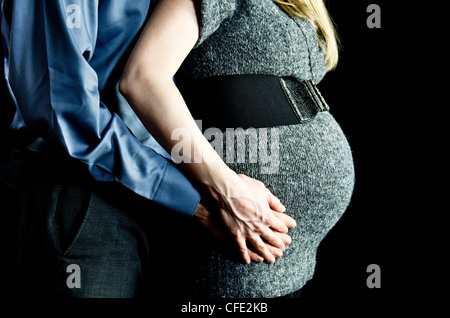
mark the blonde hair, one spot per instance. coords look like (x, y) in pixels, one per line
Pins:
(316, 12)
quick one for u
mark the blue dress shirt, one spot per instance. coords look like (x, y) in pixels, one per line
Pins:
(59, 56)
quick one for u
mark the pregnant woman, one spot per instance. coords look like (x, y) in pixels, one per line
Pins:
(249, 64)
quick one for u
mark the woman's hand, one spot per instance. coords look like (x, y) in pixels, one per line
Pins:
(248, 209)
(253, 215)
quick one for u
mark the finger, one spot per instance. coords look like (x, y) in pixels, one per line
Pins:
(255, 256)
(275, 251)
(278, 253)
(275, 203)
(286, 219)
(261, 248)
(273, 221)
(285, 238)
(273, 239)
(243, 250)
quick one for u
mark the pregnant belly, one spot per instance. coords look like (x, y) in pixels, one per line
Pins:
(308, 166)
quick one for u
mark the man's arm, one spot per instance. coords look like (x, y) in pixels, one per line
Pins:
(49, 47)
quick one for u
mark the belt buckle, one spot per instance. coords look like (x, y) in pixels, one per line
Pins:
(304, 98)
(317, 96)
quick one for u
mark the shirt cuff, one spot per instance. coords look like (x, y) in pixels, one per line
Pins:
(176, 192)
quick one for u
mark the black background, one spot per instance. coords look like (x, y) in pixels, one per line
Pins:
(371, 97)
(360, 96)
(374, 96)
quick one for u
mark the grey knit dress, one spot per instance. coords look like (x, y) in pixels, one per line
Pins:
(308, 166)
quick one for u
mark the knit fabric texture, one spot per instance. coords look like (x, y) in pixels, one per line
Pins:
(311, 172)
(253, 37)
(314, 175)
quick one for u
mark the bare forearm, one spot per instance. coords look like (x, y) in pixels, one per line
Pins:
(147, 84)
(161, 108)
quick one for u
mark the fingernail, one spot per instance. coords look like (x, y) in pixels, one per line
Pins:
(293, 224)
(288, 240)
(279, 253)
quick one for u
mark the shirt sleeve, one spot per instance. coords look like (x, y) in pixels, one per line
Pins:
(56, 92)
(211, 15)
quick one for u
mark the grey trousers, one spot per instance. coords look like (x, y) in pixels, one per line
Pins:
(70, 236)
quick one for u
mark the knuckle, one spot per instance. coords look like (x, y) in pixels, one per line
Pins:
(259, 245)
(268, 219)
(242, 249)
(259, 228)
(261, 184)
(235, 233)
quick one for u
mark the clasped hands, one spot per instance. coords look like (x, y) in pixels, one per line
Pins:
(250, 218)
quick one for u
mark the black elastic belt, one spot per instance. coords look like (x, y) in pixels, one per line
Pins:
(256, 101)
